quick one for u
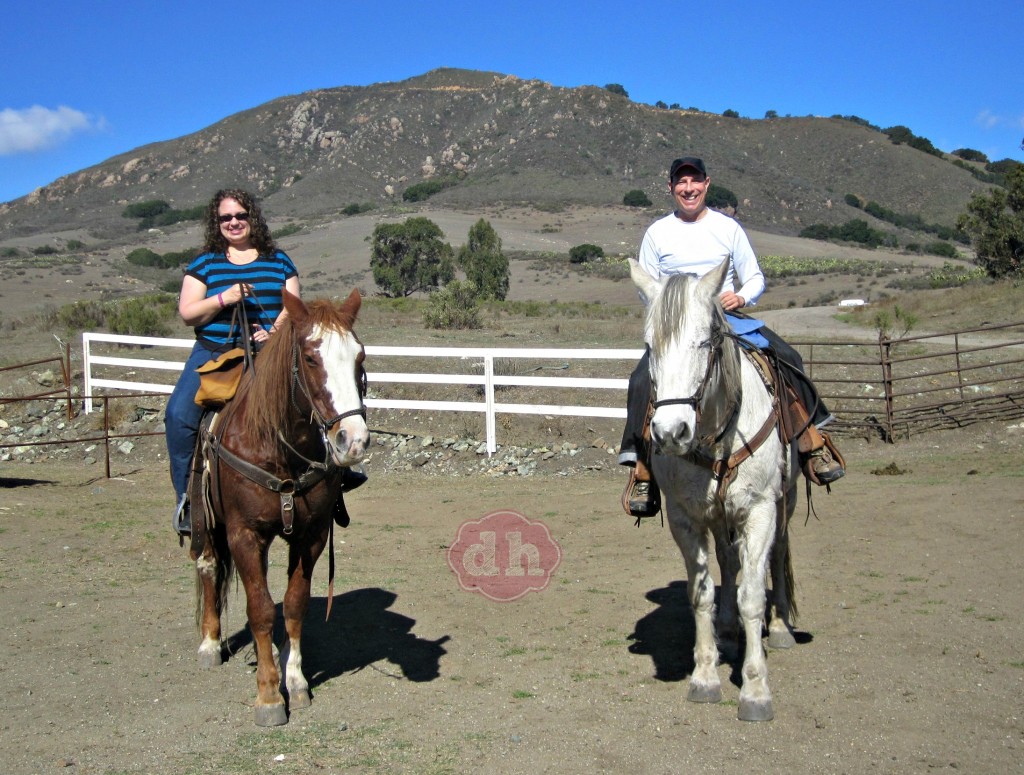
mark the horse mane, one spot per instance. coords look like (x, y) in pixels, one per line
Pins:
(670, 312)
(270, 383)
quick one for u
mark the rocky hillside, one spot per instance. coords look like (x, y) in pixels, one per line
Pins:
(504, 140)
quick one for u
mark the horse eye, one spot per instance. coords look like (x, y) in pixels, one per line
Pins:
(310, 360)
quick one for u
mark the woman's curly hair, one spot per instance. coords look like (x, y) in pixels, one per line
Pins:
(259, 232)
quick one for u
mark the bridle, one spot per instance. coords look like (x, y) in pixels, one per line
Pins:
(714, 347)
(325, 424)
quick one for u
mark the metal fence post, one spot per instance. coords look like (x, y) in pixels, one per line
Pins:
(885, 359)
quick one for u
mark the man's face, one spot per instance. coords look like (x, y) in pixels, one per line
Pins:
(690, 190)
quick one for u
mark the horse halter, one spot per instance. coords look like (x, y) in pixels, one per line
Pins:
(714, 345)
(325, 424)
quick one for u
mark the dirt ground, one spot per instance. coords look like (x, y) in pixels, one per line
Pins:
(908, 657)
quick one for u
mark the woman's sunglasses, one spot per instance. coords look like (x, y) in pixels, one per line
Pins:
(232, 216)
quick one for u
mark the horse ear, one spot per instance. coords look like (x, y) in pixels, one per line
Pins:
(352, 304)
(711, 283)
(648, 286)
(297, 310)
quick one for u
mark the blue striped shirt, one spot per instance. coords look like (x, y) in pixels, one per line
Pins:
(267, 275)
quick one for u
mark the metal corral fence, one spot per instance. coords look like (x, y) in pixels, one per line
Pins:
(914, 384)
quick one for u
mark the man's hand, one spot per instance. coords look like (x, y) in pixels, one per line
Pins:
(731, 301)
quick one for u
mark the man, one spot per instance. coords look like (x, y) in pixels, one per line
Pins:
(694, 240)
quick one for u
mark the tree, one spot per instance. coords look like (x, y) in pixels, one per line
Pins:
(730, 113)
(636, 198)
(719, 197)
(995, 223)
(581, 254)
(484, 263)
(409, 257)
(770, 114)
(970, 154)
(616, 88)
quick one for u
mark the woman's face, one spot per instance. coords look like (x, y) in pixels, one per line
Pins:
(234, 222)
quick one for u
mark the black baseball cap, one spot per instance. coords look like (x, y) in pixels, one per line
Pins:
(686, 161)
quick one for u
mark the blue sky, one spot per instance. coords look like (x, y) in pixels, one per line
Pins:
(83, 81)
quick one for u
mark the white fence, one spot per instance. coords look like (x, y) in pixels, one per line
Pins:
(476, 356)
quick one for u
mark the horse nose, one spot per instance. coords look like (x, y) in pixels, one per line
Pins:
(352, 442)
(671, 436)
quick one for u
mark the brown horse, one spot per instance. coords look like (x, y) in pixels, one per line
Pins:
(272, 464)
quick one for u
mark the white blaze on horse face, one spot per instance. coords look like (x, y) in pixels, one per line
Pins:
(339, 352)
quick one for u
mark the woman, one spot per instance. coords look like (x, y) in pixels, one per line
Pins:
(240, 264)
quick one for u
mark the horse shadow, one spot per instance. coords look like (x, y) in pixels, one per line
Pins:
(10, 482)
(360, 632)
(668, 635)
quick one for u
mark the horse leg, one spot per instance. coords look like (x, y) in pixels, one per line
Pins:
(213, 571)
(755, 696)
(727, 623)
(782, 604)
(250, 553)
(208, 601)
(705, 685)
(301, 560)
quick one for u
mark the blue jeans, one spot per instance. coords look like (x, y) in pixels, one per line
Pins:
(181, 420)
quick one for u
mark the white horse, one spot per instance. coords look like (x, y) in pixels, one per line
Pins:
(723, 469)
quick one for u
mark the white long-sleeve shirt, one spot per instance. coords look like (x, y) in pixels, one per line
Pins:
(673, 246)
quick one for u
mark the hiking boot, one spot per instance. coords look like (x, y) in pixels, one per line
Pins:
(641, 499)
(825, 467)
(182, 521)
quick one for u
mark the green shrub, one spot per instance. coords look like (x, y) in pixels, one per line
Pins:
(453, 307)
(75, 244)
(969, 154)
(148, 209)
(616, 88)
(853, 200)
(636, 198)
(144, 257)
(730, 113)
(10, 253)
(287, 230)
(940, 248)
(585, 252)
(79, 316)
(355, 208)
(719, 197)
(45, 250)
(420, 192)
(142, 316)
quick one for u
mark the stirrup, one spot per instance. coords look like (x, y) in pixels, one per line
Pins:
(641, 499)
(182, 520)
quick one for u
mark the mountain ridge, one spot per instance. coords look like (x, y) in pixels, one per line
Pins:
(504, 140)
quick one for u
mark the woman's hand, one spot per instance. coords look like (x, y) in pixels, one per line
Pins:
(259, 334)
(235, 294)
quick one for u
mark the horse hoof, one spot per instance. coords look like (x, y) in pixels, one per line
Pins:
(210, 659)
(756, 711)
(704, 693)
(781, 639)
(299, 700)
(271, 715)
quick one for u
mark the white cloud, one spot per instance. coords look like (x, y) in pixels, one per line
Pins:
(36, 128)
(987, 119)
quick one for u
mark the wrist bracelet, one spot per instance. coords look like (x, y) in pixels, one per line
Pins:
(220, 298)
